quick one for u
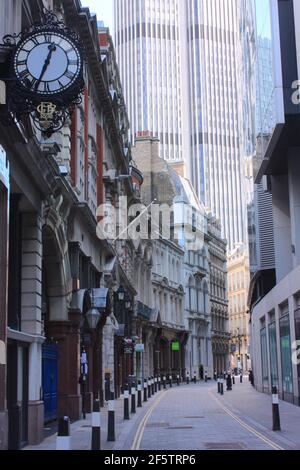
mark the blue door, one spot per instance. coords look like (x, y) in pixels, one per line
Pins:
(50, 366)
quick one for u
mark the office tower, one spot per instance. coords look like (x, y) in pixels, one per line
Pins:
(181, 63)
(148, 51)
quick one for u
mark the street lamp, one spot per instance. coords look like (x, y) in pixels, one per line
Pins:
(93, 316)
(127, 302)
(239, 342)
(121, 294)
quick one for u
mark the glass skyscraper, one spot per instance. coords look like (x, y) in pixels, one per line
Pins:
(181, 63)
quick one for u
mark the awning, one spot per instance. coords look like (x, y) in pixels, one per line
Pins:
(85, 299)
(100, 298)
(78, 299)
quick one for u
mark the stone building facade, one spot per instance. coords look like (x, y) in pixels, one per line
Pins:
(166, 325)
(199, 269)
(4, 214)
(239, 318)
(63, 279)
(218, 296)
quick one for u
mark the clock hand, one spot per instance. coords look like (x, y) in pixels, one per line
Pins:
(51, 48)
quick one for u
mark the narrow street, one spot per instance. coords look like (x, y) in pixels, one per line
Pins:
(195, 417)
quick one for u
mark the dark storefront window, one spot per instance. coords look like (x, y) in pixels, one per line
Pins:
(264, 358)
(286, 355)
(273, 355)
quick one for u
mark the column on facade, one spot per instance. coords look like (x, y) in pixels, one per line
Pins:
(31, 317)
(195, 365)
(108, 352)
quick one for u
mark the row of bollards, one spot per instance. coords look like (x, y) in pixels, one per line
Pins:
(63, 441)
(230, 381)
(96, 423)
(225, 378)
(144, 392)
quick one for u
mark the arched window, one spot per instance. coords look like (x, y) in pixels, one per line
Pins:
(157, 262)
(162, 267)
(199, 296)
(191, 292)
(205, 298)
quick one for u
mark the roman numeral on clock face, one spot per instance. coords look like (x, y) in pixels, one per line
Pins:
(46, 87)
(70, 74)
(35, 41)
(48, 38)
(25, 74)
(32, 82)
(21, 62)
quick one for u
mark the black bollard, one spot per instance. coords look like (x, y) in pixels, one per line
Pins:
(152, 386)
(149, 388)
(275, 410)
(133, 401)
(187, 378)
(215, 376)
(195, 378)
(164, 381)
(219, 384)
(145, 390)
(178, 380)
(96, 426)
(111, 436)
(251, 377)
(241, 378)
(155, 384)
(126, 403)
(170, 381)
(63, 441)
(205, 377)
(233, 380)
(139, 394)
(159, 383)
(222, 387)
(229, 383)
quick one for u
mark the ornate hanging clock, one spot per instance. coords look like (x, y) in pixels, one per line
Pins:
(47, 64)
(45, 73)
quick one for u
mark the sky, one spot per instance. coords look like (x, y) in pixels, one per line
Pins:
(263, 18)
(103, 8)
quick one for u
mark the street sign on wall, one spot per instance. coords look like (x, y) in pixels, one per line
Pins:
(140, 348)
(128, 346)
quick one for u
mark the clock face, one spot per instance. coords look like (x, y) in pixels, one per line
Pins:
(47, 63)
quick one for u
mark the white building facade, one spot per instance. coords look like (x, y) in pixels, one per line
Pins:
(275, 319)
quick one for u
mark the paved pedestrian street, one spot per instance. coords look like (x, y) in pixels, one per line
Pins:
(195, 417)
